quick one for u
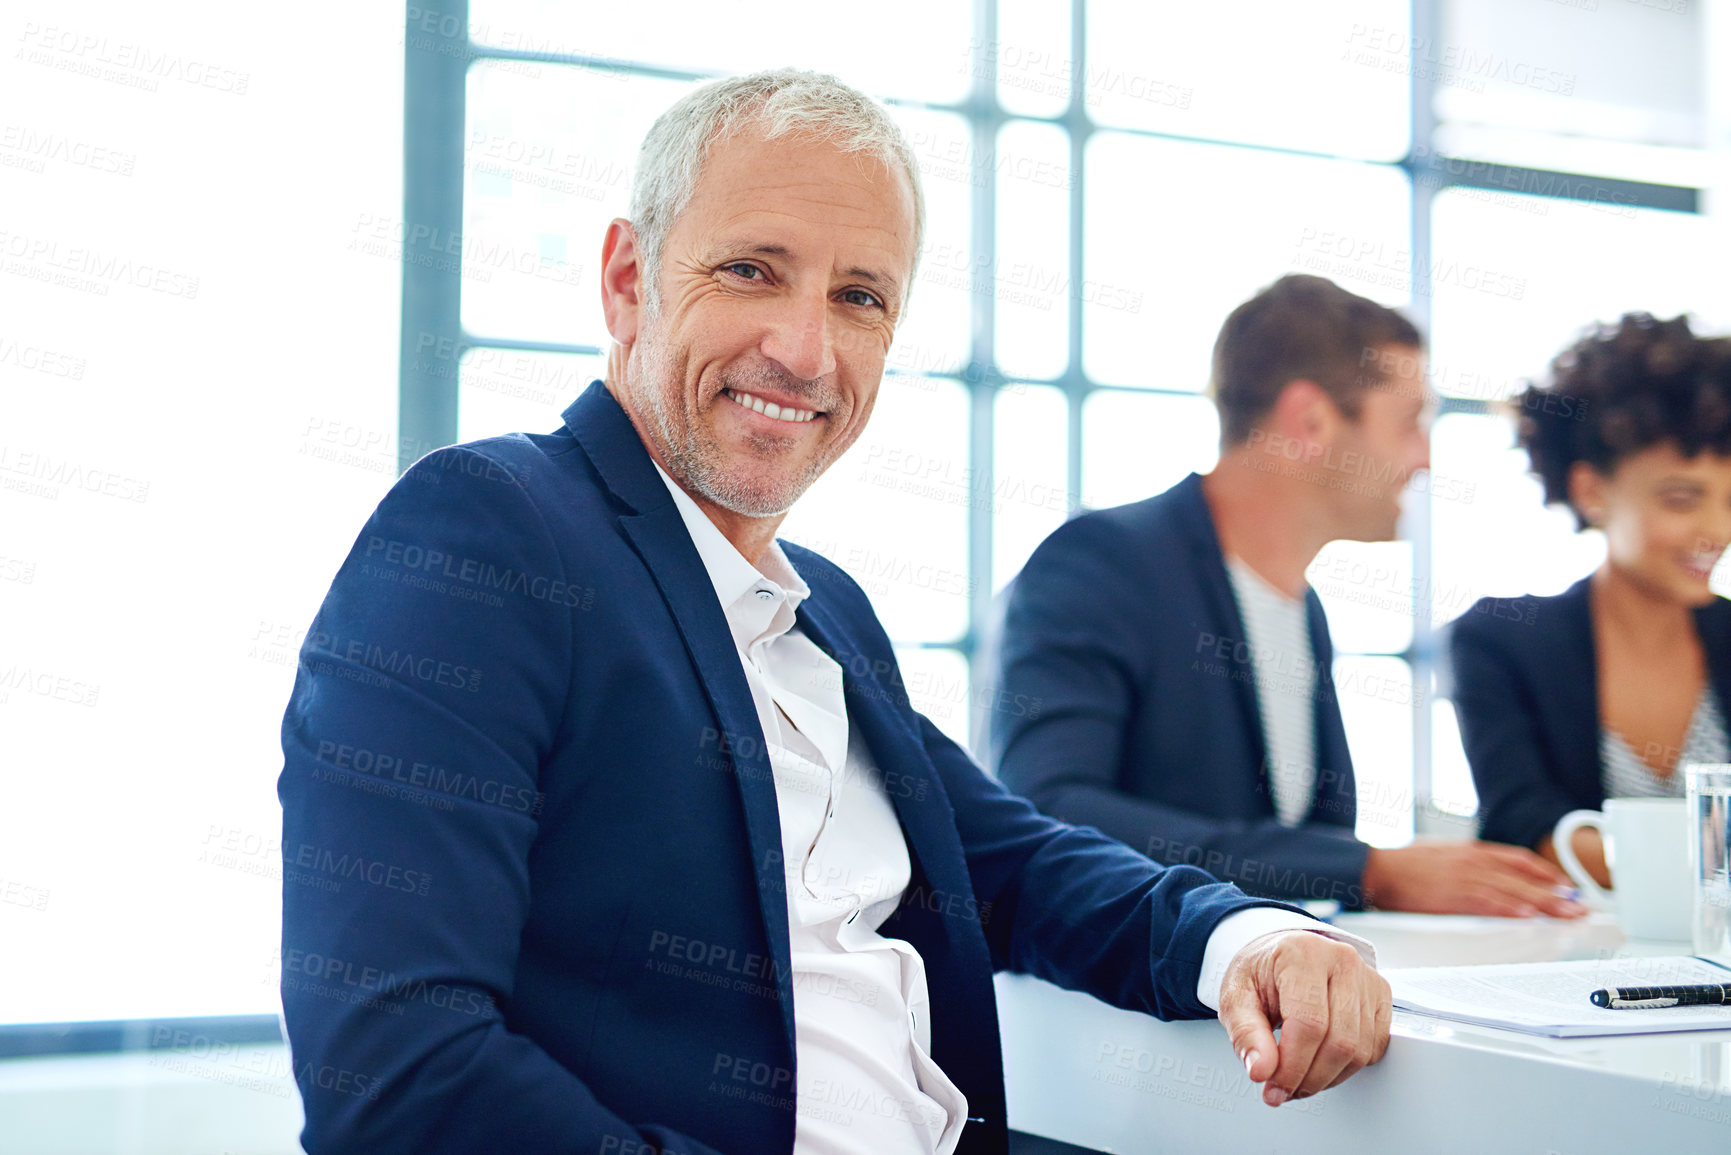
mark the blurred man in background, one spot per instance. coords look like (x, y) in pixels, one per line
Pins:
(1182, 662)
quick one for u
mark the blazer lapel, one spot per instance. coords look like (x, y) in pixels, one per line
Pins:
(921, 804)
(659, 535)
(1574, 695)
(1713, 627)
(1210, 566)
(1335, 798)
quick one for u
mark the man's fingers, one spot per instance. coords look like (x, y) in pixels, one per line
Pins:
(1304, 1015)
(1557, 906)
(1247, 1025)
(1375, 1013)
(1526, 863)
(1523, 899)
(1341, 1052)
(1498, 901)
(1383, 1016)
(1514, 883)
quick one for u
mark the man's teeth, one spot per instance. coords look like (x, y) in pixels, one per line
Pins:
(771, 409)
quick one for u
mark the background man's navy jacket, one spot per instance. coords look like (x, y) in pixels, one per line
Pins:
(533, 894)
(1526, 690)
(1124, 631)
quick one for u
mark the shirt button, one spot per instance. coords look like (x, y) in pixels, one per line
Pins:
(765, 594)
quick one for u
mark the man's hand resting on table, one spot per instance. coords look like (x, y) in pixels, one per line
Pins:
(1332, 1008)
(1466, 878)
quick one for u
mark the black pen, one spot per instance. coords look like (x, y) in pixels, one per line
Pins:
(1634, 998)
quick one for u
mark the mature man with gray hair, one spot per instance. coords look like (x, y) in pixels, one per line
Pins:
(689, 872)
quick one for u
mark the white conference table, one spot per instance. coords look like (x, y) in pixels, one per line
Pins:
(1089, 1074)
(1086, 1073)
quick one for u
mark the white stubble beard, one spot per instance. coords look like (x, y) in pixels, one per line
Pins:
(696, 460)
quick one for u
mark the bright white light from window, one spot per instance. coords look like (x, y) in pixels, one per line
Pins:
(1498, 539)
(1376, 707)
(549, 154)
(1452, 790)
(938, 685)
(1519, 278)
(1033, 283)
(1135, 445)
(1177, 235)
(225, 423)
(507, 391)
(1031, 423)
(1330, 76)
(932, 336)
(910, 49)
(1366, 589)
(1032, 57)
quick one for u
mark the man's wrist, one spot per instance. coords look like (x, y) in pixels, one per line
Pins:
(1237, 931)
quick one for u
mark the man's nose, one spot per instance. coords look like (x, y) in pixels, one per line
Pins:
(801, 339)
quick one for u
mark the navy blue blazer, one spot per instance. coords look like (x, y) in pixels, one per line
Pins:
(533, 894)
(1123, 639)
(1526, 691)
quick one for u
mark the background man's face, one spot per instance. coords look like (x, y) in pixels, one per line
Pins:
(780, 286)
(1388, 442)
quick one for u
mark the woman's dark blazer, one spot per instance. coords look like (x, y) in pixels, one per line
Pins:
(1526, 690)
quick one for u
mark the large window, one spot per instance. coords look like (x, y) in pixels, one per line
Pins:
(200, 234)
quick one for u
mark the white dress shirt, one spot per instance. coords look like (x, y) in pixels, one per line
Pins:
(1277, 628)
(862, 1026)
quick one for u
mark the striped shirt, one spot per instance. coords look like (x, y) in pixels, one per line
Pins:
(1625, 775)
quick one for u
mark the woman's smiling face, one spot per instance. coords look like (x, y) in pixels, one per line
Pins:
(1666, 517)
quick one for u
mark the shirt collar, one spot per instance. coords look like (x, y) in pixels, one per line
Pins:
(1246, 576)
(733, 577)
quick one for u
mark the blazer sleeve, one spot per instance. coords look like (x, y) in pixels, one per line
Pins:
(1078, 663)
(1498, 708)
(1076, 908)
(404, 899)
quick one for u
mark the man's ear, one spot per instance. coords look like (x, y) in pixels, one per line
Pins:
(1305, 412)
(621, 281)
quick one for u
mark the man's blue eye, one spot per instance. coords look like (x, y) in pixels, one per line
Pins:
(861, 297)
(748, 271)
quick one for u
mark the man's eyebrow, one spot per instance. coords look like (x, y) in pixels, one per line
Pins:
(729, 249)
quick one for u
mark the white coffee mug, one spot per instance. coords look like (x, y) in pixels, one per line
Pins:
(1647, 849)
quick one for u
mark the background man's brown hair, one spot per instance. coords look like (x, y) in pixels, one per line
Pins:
(1300, 327)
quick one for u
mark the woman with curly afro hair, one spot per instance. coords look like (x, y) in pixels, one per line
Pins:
(1605, 690)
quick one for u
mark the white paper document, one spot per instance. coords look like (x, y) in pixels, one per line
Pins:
(1553, 998)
